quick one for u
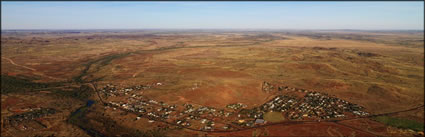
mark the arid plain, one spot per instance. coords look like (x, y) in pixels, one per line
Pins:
(91, 83)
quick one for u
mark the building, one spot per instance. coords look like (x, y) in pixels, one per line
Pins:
(259, 121)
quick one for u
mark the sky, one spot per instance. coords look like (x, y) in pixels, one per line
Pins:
(213, 15)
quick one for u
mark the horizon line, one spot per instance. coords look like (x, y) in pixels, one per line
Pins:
(207, 29)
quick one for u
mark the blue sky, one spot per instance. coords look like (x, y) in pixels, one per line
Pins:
(212, 15)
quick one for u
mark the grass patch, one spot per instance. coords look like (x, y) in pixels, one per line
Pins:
(78, 118)
(83, 93)
(11, 84)
(273, 117)
(401, 123)
(100, 63)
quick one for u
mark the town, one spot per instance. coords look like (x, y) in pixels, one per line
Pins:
(302, 105)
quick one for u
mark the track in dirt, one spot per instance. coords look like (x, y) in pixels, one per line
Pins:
(12, 62)
(32, 69)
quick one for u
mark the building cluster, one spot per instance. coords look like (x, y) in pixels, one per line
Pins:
(267, 87)
(204, 115)
(208, 124)
(255, 115)
(112, 90)
(149, 108)
(280, 88)
(280, 103)
(31, 115)
(236, 106)
(244, 122)
(320, 105)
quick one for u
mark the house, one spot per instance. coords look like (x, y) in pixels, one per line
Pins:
(259, 121)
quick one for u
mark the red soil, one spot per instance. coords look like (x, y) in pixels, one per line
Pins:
(314, 129)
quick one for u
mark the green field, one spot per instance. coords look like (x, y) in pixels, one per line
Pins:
(401, 123)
